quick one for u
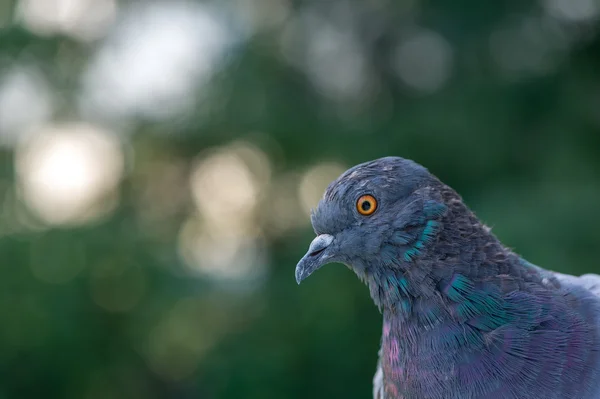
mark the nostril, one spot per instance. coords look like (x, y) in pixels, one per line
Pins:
(319, 244)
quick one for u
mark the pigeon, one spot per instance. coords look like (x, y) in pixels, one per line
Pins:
(463, 315)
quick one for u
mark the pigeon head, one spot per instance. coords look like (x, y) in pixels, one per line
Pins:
(370, 217)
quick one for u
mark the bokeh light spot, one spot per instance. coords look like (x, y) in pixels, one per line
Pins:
(314, 182)
(67, 173)
(530, 45)
(154, 61)
(572, 10)
(424, 61)
(226, 185)
(224, 240)
(25, 102)
(81, 19)
(221, 255)
(330, 54)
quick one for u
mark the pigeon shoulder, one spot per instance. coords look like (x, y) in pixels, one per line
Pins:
(589, 282)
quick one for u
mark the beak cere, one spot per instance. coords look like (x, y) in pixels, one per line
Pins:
(314, 257)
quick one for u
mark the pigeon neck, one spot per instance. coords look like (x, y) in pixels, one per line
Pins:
(460, 247)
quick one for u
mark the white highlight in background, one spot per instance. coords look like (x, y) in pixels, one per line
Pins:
(68, 174)
(223, 241)
(81, 19)
(25, 102)
(154, 62)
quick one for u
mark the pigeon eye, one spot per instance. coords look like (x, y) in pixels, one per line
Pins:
(366, 205)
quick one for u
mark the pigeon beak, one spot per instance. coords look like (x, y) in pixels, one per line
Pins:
(314, 258)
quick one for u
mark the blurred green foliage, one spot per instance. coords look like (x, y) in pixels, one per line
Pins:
(108, 309)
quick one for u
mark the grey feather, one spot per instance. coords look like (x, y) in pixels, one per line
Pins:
(464, 316)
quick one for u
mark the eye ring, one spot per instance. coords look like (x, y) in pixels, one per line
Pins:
(366, 205)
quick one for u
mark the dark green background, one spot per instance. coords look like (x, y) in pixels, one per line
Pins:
(522, 145)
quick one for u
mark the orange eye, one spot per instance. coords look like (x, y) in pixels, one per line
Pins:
(366, 205)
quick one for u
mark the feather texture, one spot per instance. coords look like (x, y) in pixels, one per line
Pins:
(463, 316)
